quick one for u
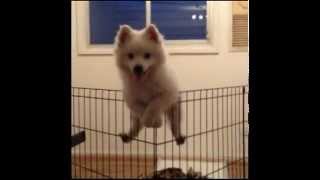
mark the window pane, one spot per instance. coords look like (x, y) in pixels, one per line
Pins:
(179, 20)
(106, 16)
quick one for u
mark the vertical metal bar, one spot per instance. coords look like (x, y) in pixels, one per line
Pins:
(79, 121)
(236, 127)
(96, 128)
(90, 115)
(207, 131)
(80, 149)
(194, 125)
(102, 138)
(235, 135)
(218, 138)
(116, 130)
(243, 130)
(213, 149)
(239, 130)
(179, 119)
(165, 138)
(123, 114)
(187, 130)
(228, 136)
(73, 132)
(84, 125)
(145, 152)
(234, 132)
(155, 153)
(138, 158)
(172, 116)
(223, 128)
(200, 130)
(109, 148)
(130, 147)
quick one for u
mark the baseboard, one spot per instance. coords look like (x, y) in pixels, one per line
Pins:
(130, 166)
(118, 166)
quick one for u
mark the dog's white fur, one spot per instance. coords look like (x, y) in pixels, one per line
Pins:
(154, 92)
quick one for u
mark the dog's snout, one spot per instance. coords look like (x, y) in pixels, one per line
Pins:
(138, 69)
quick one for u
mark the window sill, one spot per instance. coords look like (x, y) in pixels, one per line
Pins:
(192, 49)
(173, 49)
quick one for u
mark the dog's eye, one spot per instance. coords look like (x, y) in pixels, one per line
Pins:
(130, 56)
(147, 56)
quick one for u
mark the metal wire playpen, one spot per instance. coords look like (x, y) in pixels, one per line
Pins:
(213, 120)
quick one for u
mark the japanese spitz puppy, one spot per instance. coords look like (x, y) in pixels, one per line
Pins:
(149, 88)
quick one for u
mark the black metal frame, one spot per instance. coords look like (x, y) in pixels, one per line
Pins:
(230, 104)
(78, 138)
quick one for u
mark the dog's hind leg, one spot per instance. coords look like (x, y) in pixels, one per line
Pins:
(134, 130)
(174, 118)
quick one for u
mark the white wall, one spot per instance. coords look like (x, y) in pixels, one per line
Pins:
(193, 71)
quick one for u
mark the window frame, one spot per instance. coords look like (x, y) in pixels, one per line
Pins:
(208, 46)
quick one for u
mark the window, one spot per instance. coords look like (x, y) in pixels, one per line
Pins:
(106, 16)
(240, 25)
(187, 26)
(179, 20)
(176, 20)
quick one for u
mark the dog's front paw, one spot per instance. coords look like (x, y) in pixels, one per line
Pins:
(180, 140)
(125, 137)
(157, 122)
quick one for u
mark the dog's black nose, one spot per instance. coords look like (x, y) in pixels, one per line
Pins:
(138, 70)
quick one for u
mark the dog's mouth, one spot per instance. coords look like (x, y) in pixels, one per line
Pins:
(140, 76)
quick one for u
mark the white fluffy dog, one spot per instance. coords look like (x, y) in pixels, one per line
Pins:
(149, 89)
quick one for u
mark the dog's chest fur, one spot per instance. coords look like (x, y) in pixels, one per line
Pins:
(142, 93)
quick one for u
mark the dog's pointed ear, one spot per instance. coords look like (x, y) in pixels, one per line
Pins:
(153, 33)
(123, 34)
